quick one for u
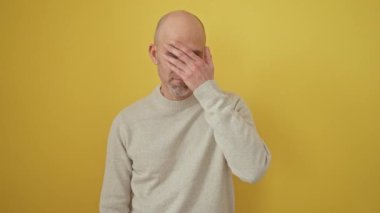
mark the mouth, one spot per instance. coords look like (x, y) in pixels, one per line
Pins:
(177, 80)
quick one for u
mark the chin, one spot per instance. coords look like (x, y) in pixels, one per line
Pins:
(180, 90)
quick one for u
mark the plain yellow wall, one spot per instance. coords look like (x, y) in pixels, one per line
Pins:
(309, 71)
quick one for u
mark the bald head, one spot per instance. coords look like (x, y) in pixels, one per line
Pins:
(180, 25)
(176, 27)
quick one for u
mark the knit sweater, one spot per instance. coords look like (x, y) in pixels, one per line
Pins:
(178, 156)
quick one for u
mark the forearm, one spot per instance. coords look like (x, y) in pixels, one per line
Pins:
(246, 153)
(115, 197)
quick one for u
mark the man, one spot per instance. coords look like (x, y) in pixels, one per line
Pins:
(174, 150)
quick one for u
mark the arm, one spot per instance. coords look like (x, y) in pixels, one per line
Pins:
(234, 129)
(116, 191)
(235, 133)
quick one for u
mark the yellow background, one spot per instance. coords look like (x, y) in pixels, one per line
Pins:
(309, 71)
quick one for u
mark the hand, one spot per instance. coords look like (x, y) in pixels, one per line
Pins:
(191, 68)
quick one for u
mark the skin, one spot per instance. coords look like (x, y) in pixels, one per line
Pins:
(183, 61)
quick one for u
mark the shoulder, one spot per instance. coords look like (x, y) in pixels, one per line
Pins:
(136, 111)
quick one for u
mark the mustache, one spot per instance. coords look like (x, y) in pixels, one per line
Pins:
(174, 76)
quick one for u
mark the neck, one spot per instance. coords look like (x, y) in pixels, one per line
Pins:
(167, 94)
(172, 105)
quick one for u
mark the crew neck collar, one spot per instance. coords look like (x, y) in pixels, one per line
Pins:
(173, 104)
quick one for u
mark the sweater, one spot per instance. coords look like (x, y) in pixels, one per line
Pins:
(168, 156)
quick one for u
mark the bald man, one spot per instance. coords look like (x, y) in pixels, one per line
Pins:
(176, 149)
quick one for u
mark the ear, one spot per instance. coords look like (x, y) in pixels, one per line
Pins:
(153, 53)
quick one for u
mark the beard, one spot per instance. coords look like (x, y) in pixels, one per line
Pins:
(179, 89)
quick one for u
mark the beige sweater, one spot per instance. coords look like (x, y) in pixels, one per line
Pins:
(176, 156)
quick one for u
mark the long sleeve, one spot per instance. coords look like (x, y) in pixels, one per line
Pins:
(235, 132)
(116, 190)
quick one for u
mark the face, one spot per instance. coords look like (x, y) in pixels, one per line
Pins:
(172, 86)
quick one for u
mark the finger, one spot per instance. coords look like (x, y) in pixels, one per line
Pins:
(175, 69)
(208, 57)
(185, 49)
(179, 54)
(176, 62)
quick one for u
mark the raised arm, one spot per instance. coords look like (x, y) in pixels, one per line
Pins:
(234, 128)
(235, 132)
